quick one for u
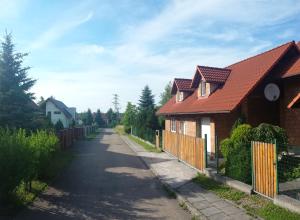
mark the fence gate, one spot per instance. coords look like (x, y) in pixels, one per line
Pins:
(264, 168)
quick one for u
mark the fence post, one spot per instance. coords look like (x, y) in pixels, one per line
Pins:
(163, 140)
(252, 167)
(276, 166)
(217, 152)
(205, 150)
(157, 139)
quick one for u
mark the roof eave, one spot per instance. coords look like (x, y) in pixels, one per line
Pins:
(192, 113)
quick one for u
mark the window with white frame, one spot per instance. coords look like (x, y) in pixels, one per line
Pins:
(173, 125)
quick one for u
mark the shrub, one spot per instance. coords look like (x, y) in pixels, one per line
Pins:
(268, 133)
(237, 153)
(23, 158)
(42, 146)
(13, 147)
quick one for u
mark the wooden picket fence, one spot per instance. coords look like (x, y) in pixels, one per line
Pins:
(186, 148)
(264, 168)
(68, 136)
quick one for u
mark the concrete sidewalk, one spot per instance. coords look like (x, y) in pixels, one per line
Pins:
(177, 176)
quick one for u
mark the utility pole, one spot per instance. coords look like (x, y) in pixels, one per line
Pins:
(116, 105)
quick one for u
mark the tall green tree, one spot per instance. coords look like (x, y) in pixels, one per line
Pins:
(98, 119)
(112, 118)
(89, 117)
(146, 122)
(129, 117)
(166, 94)
(17, 108)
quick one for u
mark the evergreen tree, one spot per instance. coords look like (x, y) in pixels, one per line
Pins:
(129, 117)
(17, 108)
(112, 118)
(59, 125)
(146, 122)
(166, 94)
(98, 119)
(89, 117)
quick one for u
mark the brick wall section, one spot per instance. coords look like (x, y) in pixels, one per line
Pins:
(168, 125)
(290, 118)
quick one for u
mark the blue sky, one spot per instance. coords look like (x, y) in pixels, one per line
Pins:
(82, 52)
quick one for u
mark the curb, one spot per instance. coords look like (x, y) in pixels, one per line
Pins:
(181, 200)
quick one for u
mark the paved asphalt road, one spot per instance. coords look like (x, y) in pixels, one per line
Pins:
(106, 180)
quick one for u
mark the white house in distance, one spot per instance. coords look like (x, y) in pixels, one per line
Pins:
(57, 110)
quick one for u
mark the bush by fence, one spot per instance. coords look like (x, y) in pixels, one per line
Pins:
(23, 158)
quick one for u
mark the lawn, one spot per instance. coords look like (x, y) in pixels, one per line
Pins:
(254, 204)
(145, 145)
(22, 197)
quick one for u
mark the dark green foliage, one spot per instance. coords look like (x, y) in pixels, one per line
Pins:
(241, 120)
(89, 117)
(166, 94)
(268, 133)
(13, 147)
(237, 153)
(17, 108)
(288, 168)
(129, 118)
(99, 120)
(59, 126)
(112, 118)
(23, 158)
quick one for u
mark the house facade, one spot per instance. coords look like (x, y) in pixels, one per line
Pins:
(57, 110)
(262, 88)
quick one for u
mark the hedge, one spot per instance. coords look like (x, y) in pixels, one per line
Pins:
(23, 158)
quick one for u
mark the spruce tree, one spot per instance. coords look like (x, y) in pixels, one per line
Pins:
(98, 119)
(17, 108)
(89, 117)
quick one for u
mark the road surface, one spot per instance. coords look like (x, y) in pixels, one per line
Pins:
(106, 180)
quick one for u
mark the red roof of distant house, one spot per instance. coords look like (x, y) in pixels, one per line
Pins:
(243, 78)
(295, 68)
(182, 85)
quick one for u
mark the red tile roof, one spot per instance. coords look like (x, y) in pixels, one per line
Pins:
(293, 70)
(213, 74)
(181, 85)
(244, 76)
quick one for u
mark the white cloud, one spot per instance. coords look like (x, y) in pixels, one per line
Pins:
(59, 29)
(91, 49)
(11, 9)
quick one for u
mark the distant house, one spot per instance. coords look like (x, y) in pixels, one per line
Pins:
(262, 88)
(57, 110)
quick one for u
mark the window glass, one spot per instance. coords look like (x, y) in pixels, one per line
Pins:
(203, 88)
(173, 125)
(57, 112)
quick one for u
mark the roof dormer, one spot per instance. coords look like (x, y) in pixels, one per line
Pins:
(208, 79)
(181, 88)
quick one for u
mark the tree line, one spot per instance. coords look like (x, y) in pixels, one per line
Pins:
(141, 119)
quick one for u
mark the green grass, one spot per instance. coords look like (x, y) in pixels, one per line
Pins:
(255, 205)
(170, 193)
(22, 197)
(146, 146)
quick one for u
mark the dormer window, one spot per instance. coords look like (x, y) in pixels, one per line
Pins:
(203, 88)
(179, 96)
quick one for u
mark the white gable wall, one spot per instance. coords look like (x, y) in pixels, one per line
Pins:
(50, 107)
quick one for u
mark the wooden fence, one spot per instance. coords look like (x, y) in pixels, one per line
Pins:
(68, 136)
(186, 148)
(264, 163)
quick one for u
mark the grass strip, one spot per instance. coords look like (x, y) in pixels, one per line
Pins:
(255, 205)
(145, 145)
